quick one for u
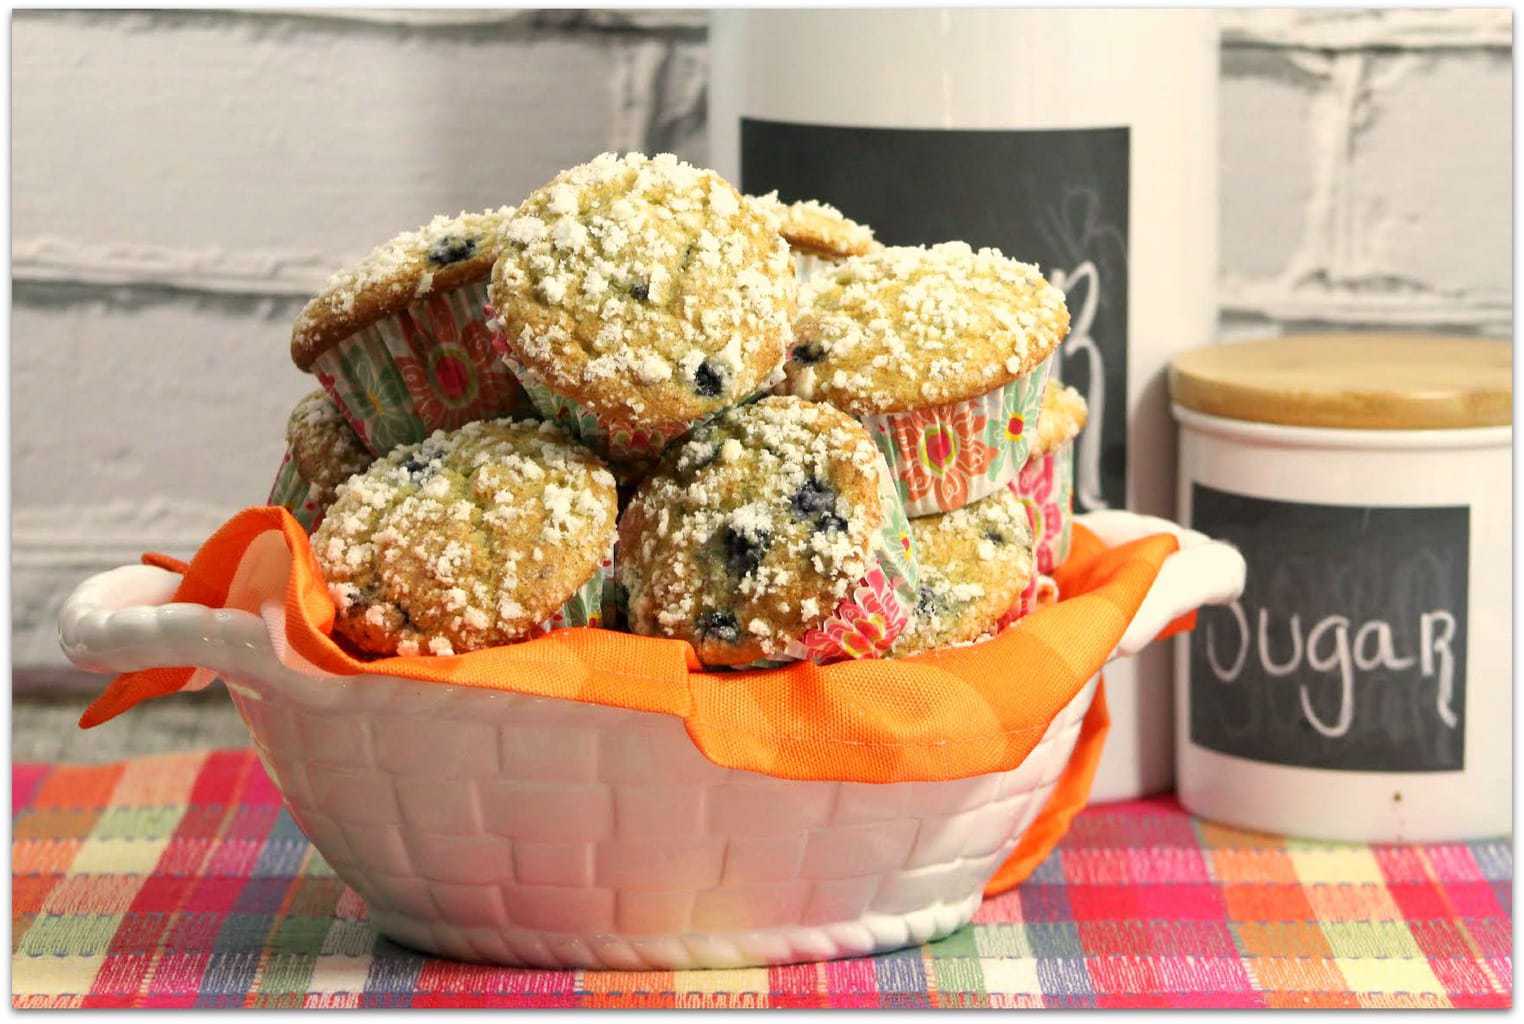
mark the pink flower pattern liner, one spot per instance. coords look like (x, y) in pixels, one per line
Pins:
(427, 367)
(947, 456)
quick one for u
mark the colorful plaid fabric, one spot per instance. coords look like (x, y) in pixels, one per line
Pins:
(180, 881)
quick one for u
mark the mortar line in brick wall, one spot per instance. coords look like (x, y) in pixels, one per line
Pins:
(1456, 46)
(1290, 295)
(521, 24)
(50, 259)
(1432, 313)
(1376, 31)
(672, 24)
(1326, 226)
(636, 70)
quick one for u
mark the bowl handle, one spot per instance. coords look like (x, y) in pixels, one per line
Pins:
(119, 621)
(1204, 571)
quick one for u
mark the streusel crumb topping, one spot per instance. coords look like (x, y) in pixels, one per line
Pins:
(444, 253)
(810, 226)
(645, 288)
(466, 540)
(753, 530)
(974, 562)
(325, 447)
(907, 327)
(1063, 416)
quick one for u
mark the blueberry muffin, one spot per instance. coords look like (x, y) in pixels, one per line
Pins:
(637, 296)
(1064, 414)
(322, 443)
(942, 352)
(810, 226)
(399, 339)
(820, 236)
(974, 563)
(482, 536)
(322, 452)
(772, 534)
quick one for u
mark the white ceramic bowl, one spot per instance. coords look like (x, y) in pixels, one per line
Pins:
(486, 825)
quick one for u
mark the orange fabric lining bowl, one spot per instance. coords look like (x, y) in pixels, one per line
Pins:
(594, 799)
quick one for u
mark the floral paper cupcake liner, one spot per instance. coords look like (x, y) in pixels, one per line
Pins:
(429, 366)
(300, 498)
(946, 456)
(1045, 486)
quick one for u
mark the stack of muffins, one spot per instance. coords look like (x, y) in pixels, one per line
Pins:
(643, 400)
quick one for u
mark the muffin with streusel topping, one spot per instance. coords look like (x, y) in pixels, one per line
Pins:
(1064, 414)
(772, 534)
(819, 235)
(637, 296)
(322, 452)
(820, 228)
(974, 563)
(482, 536)
(942, 352)
(399, 340)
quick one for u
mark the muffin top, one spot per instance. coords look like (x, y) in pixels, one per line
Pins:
(973, 564)
(820, 229)
(326, 449)
(469, 539)
(646, 289)
(751, 532)
(1063, 416)
(445, 253)
(908, 327)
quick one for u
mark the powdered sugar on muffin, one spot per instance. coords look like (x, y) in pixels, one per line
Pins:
(325, 447)
(750, 533)
(469, 539)
(444, 253)
(907, 327)
(1063, 416)
(974, 563)
(645, 289)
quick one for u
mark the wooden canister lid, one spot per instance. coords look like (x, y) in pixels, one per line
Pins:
(1359, 381)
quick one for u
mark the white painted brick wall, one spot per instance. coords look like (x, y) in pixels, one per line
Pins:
(183, 180)
(1366, 170)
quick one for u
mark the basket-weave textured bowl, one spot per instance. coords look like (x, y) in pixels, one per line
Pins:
(492, 826)
(487, 825)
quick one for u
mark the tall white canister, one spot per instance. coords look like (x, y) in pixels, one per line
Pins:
(1083, 141)
(1361, 688)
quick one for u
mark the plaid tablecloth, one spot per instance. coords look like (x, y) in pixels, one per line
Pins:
(180, 881)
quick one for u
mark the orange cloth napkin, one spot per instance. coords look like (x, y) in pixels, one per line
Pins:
(942, 715)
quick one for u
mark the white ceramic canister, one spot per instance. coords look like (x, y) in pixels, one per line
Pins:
(1083, 141)
(1361, 688)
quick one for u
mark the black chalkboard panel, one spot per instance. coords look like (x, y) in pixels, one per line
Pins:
(1348, 647)
(1055, 198)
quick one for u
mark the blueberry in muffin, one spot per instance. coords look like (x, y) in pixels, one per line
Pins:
(637, 296)
(772, 534)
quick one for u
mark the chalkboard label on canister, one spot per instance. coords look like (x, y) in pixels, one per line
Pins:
(1361, 688)
(1057, 198)
(1347, 649)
